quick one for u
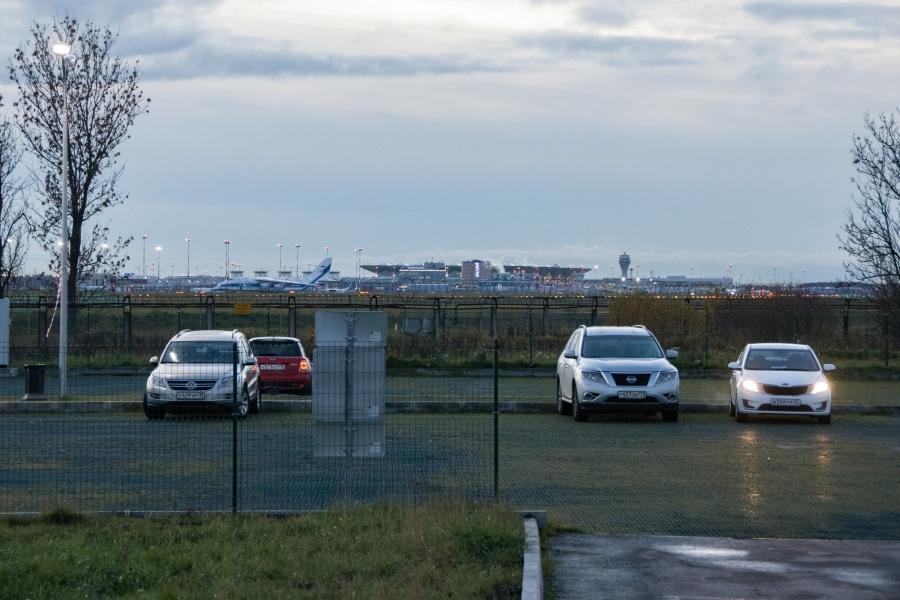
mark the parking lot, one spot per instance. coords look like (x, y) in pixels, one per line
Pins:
(705, 475)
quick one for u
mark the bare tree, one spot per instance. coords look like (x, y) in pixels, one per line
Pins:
(104, 99)
(13, 223)
(871, 234)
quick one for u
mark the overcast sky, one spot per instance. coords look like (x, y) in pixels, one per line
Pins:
(689, 133)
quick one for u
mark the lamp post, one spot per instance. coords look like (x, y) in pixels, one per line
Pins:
(64, 51)
(158, 266)
(297, 246)
(280, 246)
(358, 254)
(188, 240)
(144, 258)
(227, 257)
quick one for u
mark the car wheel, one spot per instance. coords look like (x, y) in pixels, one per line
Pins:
(826, 420)
(562, 407)
(243, 406)
(577, 412)
(730, 408)
(740, 416)
(257, 403)
(670, 416)
(153, 413)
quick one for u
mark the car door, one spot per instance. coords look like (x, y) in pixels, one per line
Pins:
(561, 367)
(569, 366)
(251, 372)
(736, 374)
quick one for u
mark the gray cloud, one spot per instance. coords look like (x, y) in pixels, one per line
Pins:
(860, 15)
(112, 10)
(604, 14)
(649, 51)
(204, 60)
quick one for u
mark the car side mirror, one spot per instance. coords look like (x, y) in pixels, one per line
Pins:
(154, 360)
(672, 353)
(828, 367)
(569, 354)
(249, 361)
(734, 366)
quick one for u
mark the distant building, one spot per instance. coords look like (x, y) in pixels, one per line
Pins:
(546, 275)
(474, 272)
(624, 263)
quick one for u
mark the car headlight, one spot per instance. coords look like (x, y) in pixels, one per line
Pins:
(750, 386)
(666, 376)
(593, 376)
(157, 381)
(819, 387)
(227, 382)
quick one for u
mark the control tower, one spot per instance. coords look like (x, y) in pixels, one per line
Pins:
(624, 263)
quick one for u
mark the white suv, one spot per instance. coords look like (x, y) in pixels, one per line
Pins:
(616, 369)
(197, 370)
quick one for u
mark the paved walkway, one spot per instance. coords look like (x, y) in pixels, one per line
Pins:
(703, 568)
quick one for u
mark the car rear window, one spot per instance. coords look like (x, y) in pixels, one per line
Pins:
(781, 360)
(620, 346)
(275, 348)
(199, 352)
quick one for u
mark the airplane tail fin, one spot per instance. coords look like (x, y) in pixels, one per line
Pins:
(318, 273)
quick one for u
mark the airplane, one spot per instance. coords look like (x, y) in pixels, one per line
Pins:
(266, 284)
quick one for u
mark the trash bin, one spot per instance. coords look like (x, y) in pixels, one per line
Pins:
(34, 382)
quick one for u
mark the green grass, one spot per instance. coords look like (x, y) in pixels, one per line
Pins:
(371, 552)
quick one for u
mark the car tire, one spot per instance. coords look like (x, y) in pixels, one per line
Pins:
(577, 412)
(153, 413)
(670, 416)
(256, 405)
(826, 420)
(243, 407)
(562, 407)
(741, 417)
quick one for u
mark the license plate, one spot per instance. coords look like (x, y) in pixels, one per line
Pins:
(632, 395)
(190, 395)
(785, 401)
(271, 367)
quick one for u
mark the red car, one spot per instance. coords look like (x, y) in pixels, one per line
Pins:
(283, 365)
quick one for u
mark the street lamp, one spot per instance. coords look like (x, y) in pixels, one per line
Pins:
(144, 259)
(280, 246)
(227, 257)
(188, 240)
(64, 51)
(358, 254)
(158, 267)
(298, 260)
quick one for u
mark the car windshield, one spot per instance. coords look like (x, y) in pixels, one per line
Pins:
(781, 360)
(620, 346)
(275, 348)
(198, 352)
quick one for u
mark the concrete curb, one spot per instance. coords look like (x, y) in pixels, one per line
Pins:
(532, 573)
(394, 407)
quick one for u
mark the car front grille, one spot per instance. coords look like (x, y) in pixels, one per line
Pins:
(200, 385)
(788, 390)
(778, 407)
(639, 379)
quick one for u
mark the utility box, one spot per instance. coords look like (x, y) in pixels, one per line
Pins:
(4, 332)
(348, 383)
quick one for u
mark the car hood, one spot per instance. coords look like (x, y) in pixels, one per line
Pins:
(193, 371)
(783, 377)
(626, 365)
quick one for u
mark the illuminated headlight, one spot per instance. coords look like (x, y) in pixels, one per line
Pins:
(750, 386)
(819, 387)
(157, 381)
(593, 376)
(666, 376)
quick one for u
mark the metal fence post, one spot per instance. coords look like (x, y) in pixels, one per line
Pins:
(210, 313)
(706, 334)
(348, 406)
(496, 420)
(846, 323)
(42, 322)
(594, 304)
(530, 338)
(126, 322)
(887, 342)
(234, 432)
(494, 318)
(292, 317)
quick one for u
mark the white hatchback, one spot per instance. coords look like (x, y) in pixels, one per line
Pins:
(780, 379)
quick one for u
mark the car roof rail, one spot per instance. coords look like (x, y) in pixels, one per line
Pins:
(640, 326)
(182, 332)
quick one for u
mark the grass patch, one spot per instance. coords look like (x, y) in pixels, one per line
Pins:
(457, 551)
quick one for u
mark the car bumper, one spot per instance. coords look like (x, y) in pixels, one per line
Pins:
(765, 404)
(275, 383)
(167, 398)
(597, 397)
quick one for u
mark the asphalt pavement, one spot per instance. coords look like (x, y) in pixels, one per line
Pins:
(597, 567)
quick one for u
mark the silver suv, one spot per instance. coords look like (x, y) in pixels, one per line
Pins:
(197, 370)
(616, 369)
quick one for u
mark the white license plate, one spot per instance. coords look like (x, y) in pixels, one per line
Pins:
(785, 402)
(190, 395)
(632, 395)
(271, 367)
